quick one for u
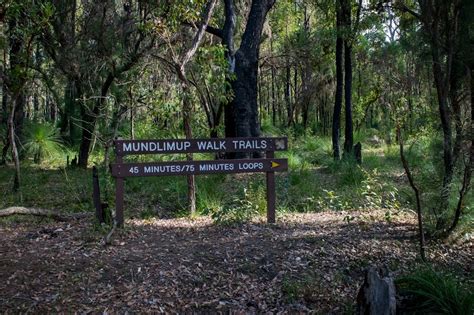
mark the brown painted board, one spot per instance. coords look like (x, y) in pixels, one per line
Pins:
(199, 167)
(163, 146)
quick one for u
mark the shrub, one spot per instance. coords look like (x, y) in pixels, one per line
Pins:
(237, 211)
(42, 140)
(428, 291)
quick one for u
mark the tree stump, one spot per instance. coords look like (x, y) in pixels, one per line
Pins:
(358, 153)
(377, 295)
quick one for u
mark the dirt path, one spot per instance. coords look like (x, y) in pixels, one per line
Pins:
(307, 262)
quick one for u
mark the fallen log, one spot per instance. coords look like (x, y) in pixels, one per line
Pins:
(42, 213)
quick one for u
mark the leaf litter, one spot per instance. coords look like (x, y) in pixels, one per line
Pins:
(306, 263)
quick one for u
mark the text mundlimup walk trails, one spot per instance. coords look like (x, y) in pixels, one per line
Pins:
(127, 147)
(268, 165)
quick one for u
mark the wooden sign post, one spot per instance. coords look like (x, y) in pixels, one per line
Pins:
(268, 165)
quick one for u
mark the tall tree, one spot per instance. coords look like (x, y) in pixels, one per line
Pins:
(336, 118)
(242, 112)
(92, 47)
(20, 38)
(348, 130)
(180, 66)
(441, 21)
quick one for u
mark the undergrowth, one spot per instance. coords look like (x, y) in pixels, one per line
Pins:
(314, 182)
(429, 291)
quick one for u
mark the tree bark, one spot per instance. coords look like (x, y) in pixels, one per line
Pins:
(419, 213)
(242, 112)
(289, 108)
(432, 15)
(187, 106)
(336, 118)
(348, 130)
(89, 119)
(467, 176)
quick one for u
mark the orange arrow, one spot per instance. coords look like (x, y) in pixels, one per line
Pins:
(275, 164)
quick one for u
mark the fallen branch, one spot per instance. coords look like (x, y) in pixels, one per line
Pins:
(108, 238)
(42, 213)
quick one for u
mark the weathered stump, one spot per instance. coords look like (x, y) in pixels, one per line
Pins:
(100, 208)
(358, 153)
(377, 295)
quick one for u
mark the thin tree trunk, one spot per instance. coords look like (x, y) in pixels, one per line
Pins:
(187, 106)
(187, 112)
(347, 23)
(336, 118)
(348, 130)
(467, 176)
(89, 119)
(289, 108)
(228, 42)
(12, 140)
(417, 196)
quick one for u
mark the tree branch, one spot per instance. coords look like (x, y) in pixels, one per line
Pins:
(210, 29)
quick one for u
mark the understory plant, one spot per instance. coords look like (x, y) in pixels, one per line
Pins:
(427, 291)
(42, 140)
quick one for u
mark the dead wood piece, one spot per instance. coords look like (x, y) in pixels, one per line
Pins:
(377, 294)
(108, 238)
(41, 213)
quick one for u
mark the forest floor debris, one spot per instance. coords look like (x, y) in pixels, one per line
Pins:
(304, 263)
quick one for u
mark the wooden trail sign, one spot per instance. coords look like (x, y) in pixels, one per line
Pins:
(199, 167)
(268, 165)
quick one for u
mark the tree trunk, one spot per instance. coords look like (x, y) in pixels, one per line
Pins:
(71, 94)
(467, 176)
(348, 130)
(440, 21)
(419, 213)
(187, 109)
(89, 119)
(243, 109)
(348, 133)
(187, 106)
(12, 140)
(336, 118)
(289, 108)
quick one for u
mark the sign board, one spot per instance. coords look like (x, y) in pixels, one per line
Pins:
(127, 147)
(199, 167)
(268, 165)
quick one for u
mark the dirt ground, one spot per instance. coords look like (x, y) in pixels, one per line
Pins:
(304, 263)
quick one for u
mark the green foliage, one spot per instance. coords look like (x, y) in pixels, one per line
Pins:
(42, 140)
(240, 209)
(331, 200)
(376, 193)
(298, 289)
(66, 189)
(434, 292)
(349, 172)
